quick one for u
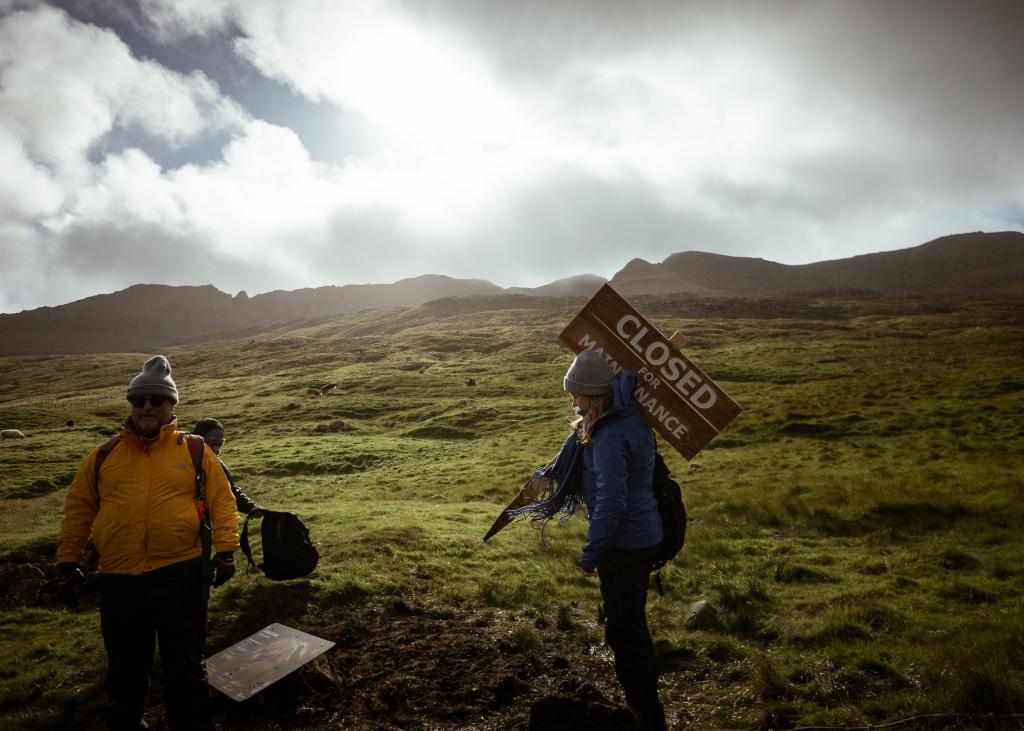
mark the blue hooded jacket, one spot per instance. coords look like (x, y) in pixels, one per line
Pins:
(618, 467)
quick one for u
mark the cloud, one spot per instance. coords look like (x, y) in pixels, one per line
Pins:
(669, 91)
(739, 84)
(27, 190)
(266, 215)
(174, 20)
(60, 102)
(519, 142)
(64, 88)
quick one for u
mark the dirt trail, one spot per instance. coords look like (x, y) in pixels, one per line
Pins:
(413, 668)
(393, 667)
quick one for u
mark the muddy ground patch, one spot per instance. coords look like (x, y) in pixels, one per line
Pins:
(395, 665)
(406, 667)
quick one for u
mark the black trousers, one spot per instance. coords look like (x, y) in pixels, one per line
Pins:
(166, 605)
(625, 575)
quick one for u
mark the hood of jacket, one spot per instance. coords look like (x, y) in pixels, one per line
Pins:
(623, 402)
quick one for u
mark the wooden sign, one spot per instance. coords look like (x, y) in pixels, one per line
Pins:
(247, 667)
(686, 407)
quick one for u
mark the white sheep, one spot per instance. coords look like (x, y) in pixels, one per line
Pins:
(11, 434)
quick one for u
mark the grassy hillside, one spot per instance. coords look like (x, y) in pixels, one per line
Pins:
(858, 527)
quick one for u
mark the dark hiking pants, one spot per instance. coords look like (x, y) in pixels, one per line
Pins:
(624, 576)
(166, 605)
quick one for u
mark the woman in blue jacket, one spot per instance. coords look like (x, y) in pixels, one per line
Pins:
(615, 475)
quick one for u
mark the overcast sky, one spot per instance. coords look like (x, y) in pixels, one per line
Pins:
(259, 144)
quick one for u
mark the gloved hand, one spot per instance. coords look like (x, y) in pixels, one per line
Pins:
(67, 586)
(223, 567)
(256, 512)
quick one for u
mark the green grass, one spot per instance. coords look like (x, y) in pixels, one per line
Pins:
(858, 527)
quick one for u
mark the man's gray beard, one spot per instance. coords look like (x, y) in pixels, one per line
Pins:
(149, 435)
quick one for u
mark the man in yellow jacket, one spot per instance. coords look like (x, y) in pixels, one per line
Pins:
(144, 519)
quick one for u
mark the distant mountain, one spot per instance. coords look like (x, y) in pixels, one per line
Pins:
(583, 285)
(974, 263)
(149, 316)
(136, 318)
(146, 317)
(308, 304)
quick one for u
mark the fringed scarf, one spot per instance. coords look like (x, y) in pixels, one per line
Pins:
(566, 472)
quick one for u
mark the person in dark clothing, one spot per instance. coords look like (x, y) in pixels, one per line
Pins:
(212, 432)
(625, 526)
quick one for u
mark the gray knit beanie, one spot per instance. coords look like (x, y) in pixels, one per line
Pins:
(589, 375)
(155, 380)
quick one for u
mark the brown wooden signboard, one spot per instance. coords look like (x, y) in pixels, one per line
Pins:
(686, 407)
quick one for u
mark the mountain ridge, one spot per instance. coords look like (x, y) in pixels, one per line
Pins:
(145, 317)
(970, 263)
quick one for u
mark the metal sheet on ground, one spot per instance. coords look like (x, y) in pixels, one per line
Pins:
(247, 667)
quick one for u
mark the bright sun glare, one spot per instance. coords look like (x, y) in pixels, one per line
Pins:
(422, 91)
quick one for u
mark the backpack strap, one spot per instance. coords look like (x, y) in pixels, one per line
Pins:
(101, 456)
(196, 446)
(661, 473)
(243, 541)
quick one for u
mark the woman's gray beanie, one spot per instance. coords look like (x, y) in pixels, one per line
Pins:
(155, 380)
(589, 375)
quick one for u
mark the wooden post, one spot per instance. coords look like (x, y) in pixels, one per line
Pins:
(678, 339)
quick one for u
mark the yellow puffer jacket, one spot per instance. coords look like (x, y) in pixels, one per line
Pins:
(145, 515)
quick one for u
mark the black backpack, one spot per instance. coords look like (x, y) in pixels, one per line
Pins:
(673, 513)
(287, 551)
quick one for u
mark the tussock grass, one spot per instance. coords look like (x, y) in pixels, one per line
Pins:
(857, 527)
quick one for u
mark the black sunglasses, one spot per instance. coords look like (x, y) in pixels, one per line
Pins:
(156, 401)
